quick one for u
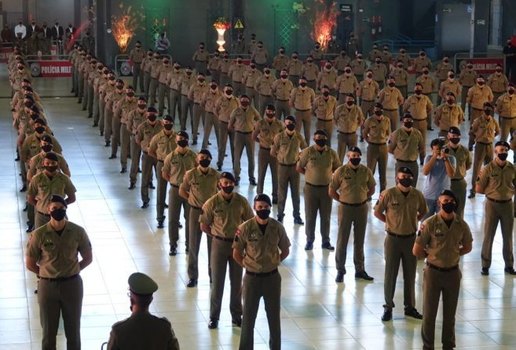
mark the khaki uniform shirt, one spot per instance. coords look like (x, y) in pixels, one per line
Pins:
(310, 71)
(260, 55)
(155, 67)
(146, 64)
(286, 147)
(450, 86)
(377, 131)
(498, 82)
(346, 84)
(264, 132)
(328, 78)
(124, 107)
(379, 71)
(391, 98)
(506, 106)
(484, 130)
(225, 106)
(236, 72)
(210, 99)
(443, 243)
(261, 250)
(358, 67)
(341, 62)
(375, 53)
(419, 106)
(463, 161)
(319, 166)
(164, 72)
(162, 144)
(146, 132)
(351, 184)
(56, 254)
(446, 116)
(406, 146)
(243, 120)
(43, 188)
(282, 89)
(324, 108)
(264, 85)
(137, 55)
(224, 65)
(421, 62)
(186, 83)
(200, 186)
(401, 76)
(405, 59)
(467, 77)
(36, 164)
(250, 77)
(401, 211)
(348, 119)
(224, 216)
(200, 56)
(31, 147)
(302, 99)
(295, 67)
(134, 119)
(214, 64)
(197, 91)
(280, 62)
(442, 69)
(177, 164)
(428, 84)
(174, 79)
(368, 90)
(498, 183)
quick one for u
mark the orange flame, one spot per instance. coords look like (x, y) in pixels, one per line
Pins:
(124, 26)
(324, 22)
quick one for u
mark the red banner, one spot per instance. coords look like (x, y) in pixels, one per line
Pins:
(51, 69)
(483, 65)
(4, 53)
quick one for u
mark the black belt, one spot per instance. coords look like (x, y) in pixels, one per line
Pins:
(308, 183)
(265, 148)
(367, 100)
(420, 120)
(47, 215)
(302, 110)
(223, 122)
(261, 274)
(376, 144)
(442, 269)
(346, 133)
(281, 100)
(410, 235)
(325, 120)
(477, 109)
(191, 206)
(457, 179)
(175, 186)
(508, 117)
(59, 279)
(499, 200)
(160, 161)
(282, 164)
(390, 110)
(354, 204)
(224, 239)
(485, 143)
(244, 132)
(265, 95)
(405, 161)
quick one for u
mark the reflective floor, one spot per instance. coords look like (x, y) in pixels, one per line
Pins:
(316, 312)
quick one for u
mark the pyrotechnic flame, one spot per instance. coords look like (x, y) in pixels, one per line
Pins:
(123, 27)
(324, 22)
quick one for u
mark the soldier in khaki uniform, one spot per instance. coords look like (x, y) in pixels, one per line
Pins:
(265, 130)
(400, 208)
(328, 77)
(214, 67)
(317, 163)
(310, 71)
(199, 184)
(447, 115)
(404, 57)
(406, 144)
(346, 84)
(463, 163)
(111, 100)
(317, 54)
(163, 89)
(242, 121)
(482, 134)
(401, 77)
(351, 185)
(341, 61)
(367, 92)
(449, 85)
(209, 104)
(161, 145)
(497, 181)
(442, 239)
(420, 107)
(280, 61)
(302, 100)
(263, 87)
(106, 89)
(134, 119)
(236, 75)
(421, 62)
(45, 184)
(155, 68)
(375, 53)
(144, 134)
(477, 96)
(467, 79)
(136, 56)
(285, 149)
(200, 59)
(324, 110)
(196, 94)
(261, 243)
(120, 134)
(441, 73)
(379, 72)
(249, 80)
(174, 86)
(224, 66)
(187, 80)
(220, 218)
(146, 68)
(391, 99)
(225, 105)
(348, 119)
(377, 129)
(428, 88)
(281, 90)
(506, 109)
(358, 66)
(294, 68)
(36, 162)
(175, 165)
(498, 82)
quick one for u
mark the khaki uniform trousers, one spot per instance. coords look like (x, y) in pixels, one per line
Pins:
(221, 257)
(463, 98)
(148, 163)
(175, 202)
(367, 110)
(377, 154)
(115, 135)
(266, 160)
(102, 105)
(287, 175)
(507, 127)
(138, 77)
(483, 154)
(399, 249)
(136, 153)
(404, 91)
(345, 140)
(264, 101)
(421, 125)
(198, 113)
(56, 298)
(85, 92)
(95, 109)
(161, 194)
(80, 87)
(125, 145)
(256, 287)
(238, 88)
(502, 213)
(282, 109)
(108, 122)
(253, 96)
(459, 188)
(412, 165)
(474, 114)
(326, 125)
(175, 104)
(435, 283)
(89, 103)
(394, 117)
(210, 121)
(40, 219)
(153, 89)
(224, 133)
(317, 200)
(243, 139)
(186, 106)
(163, 93)
(355, 215)
(75, 80)
(194, 244)
(146, 82)
(303, 118)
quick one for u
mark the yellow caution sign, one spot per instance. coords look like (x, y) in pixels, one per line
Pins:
(239, 24)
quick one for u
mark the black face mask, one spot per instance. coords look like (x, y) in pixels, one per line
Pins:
(46, 148)
(168, 127)
(152, 118)
(213, 87)
(58, 214)
(347, 71)
(51, 168)
(392, 84)
(378, 113)
(369, 76)
(205, 163)
(228, 189)
(320, 142)
(302, 84)
(418, 92)
(182, 143)
(449, 207)
(502, 156)
(291, 127)
(450, 102)
(405, 182)
(451, 76)
(229, 92)
(350, 103)
(263, 214)
(269, 115)
(326, 93)
(455, 140)
(141, 107)
(244, 104)
(511, 92)
(130, 94)
(488, 111)
(355, 161)
(284, 76)
(408, 124)
(40, 130)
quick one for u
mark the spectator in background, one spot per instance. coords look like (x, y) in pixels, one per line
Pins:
(509, 50)
(7, 35)
(162, 44)
(20, 31)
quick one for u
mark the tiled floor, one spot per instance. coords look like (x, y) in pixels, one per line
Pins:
(316, 313)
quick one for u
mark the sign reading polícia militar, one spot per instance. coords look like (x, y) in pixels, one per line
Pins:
(51, 69)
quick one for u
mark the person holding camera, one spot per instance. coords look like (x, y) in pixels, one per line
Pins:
(438, 168)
